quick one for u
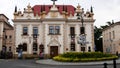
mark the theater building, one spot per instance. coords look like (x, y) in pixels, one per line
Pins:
(53, 29)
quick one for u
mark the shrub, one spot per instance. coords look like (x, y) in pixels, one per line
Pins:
(87, 56)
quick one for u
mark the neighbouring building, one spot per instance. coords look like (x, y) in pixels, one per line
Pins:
(111, 38)
(52, 29)
(6, 34)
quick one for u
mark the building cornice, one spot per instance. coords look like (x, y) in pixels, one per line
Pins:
(26, 20)
(54, 19)
(85, 20)
(7, 23)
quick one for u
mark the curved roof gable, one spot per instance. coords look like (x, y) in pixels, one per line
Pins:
(38, 8)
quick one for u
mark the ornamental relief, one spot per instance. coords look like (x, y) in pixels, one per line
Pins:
(54, 42)
(53, 14)
(54, 37)
(28, 16)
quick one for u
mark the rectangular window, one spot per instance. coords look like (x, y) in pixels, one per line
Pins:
(25, 30)
(72, 30)
(10, 37)
(35, 30)
(51, 29)
(113, 34)
(72, 47)
(57, 29)
(54, 29)
(82, 30)
(110, 35)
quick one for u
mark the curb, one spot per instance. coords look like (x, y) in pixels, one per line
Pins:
(52, 62)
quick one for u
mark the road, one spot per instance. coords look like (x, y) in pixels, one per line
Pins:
(31, 64)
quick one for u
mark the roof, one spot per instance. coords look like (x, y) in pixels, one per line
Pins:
(4, 16)
(68, 8)
(112, 25)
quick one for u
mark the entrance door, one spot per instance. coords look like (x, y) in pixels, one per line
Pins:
(53, 51)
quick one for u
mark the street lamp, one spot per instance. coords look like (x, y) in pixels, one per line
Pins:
(82, 37)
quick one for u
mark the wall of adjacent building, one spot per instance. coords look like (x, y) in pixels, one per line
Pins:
(111, 44)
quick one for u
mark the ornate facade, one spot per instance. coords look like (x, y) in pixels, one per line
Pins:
(52, 29)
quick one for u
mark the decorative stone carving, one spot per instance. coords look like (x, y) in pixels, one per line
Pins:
(54, 41)
(28, 16)
(54, 14)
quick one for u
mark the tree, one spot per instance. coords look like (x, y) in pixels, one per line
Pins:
(98, 39)
(98, 35)
(110, 23)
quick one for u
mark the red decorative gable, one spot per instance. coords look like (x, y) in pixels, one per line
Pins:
(68, 8)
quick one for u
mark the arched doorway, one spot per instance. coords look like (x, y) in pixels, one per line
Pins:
(24, 47)
(54, 47)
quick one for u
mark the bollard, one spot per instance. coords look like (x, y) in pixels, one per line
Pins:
(105, 65)
(114, 63)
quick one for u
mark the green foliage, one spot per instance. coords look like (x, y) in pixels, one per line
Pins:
(87, 56)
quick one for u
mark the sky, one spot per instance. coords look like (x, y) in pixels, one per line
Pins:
(104, 10)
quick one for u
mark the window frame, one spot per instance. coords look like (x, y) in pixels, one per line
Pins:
(54, 30)
(25, 30)
(35, 30)
(72, 30)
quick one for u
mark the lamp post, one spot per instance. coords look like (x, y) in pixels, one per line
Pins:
(82, 37)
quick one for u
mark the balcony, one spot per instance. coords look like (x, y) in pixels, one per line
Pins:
(35, 35)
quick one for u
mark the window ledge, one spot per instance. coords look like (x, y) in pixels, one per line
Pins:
(54, 34)
(24, 35)
(35, 34)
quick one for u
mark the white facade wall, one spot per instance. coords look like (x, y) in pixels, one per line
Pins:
(63, 41)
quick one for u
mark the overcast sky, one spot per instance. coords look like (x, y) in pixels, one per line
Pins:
(104, 10)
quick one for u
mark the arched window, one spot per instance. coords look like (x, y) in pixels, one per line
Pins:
(24, 46)
(89, 49)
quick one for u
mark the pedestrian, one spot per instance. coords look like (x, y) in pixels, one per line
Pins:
(20, 54)
(41, 55)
